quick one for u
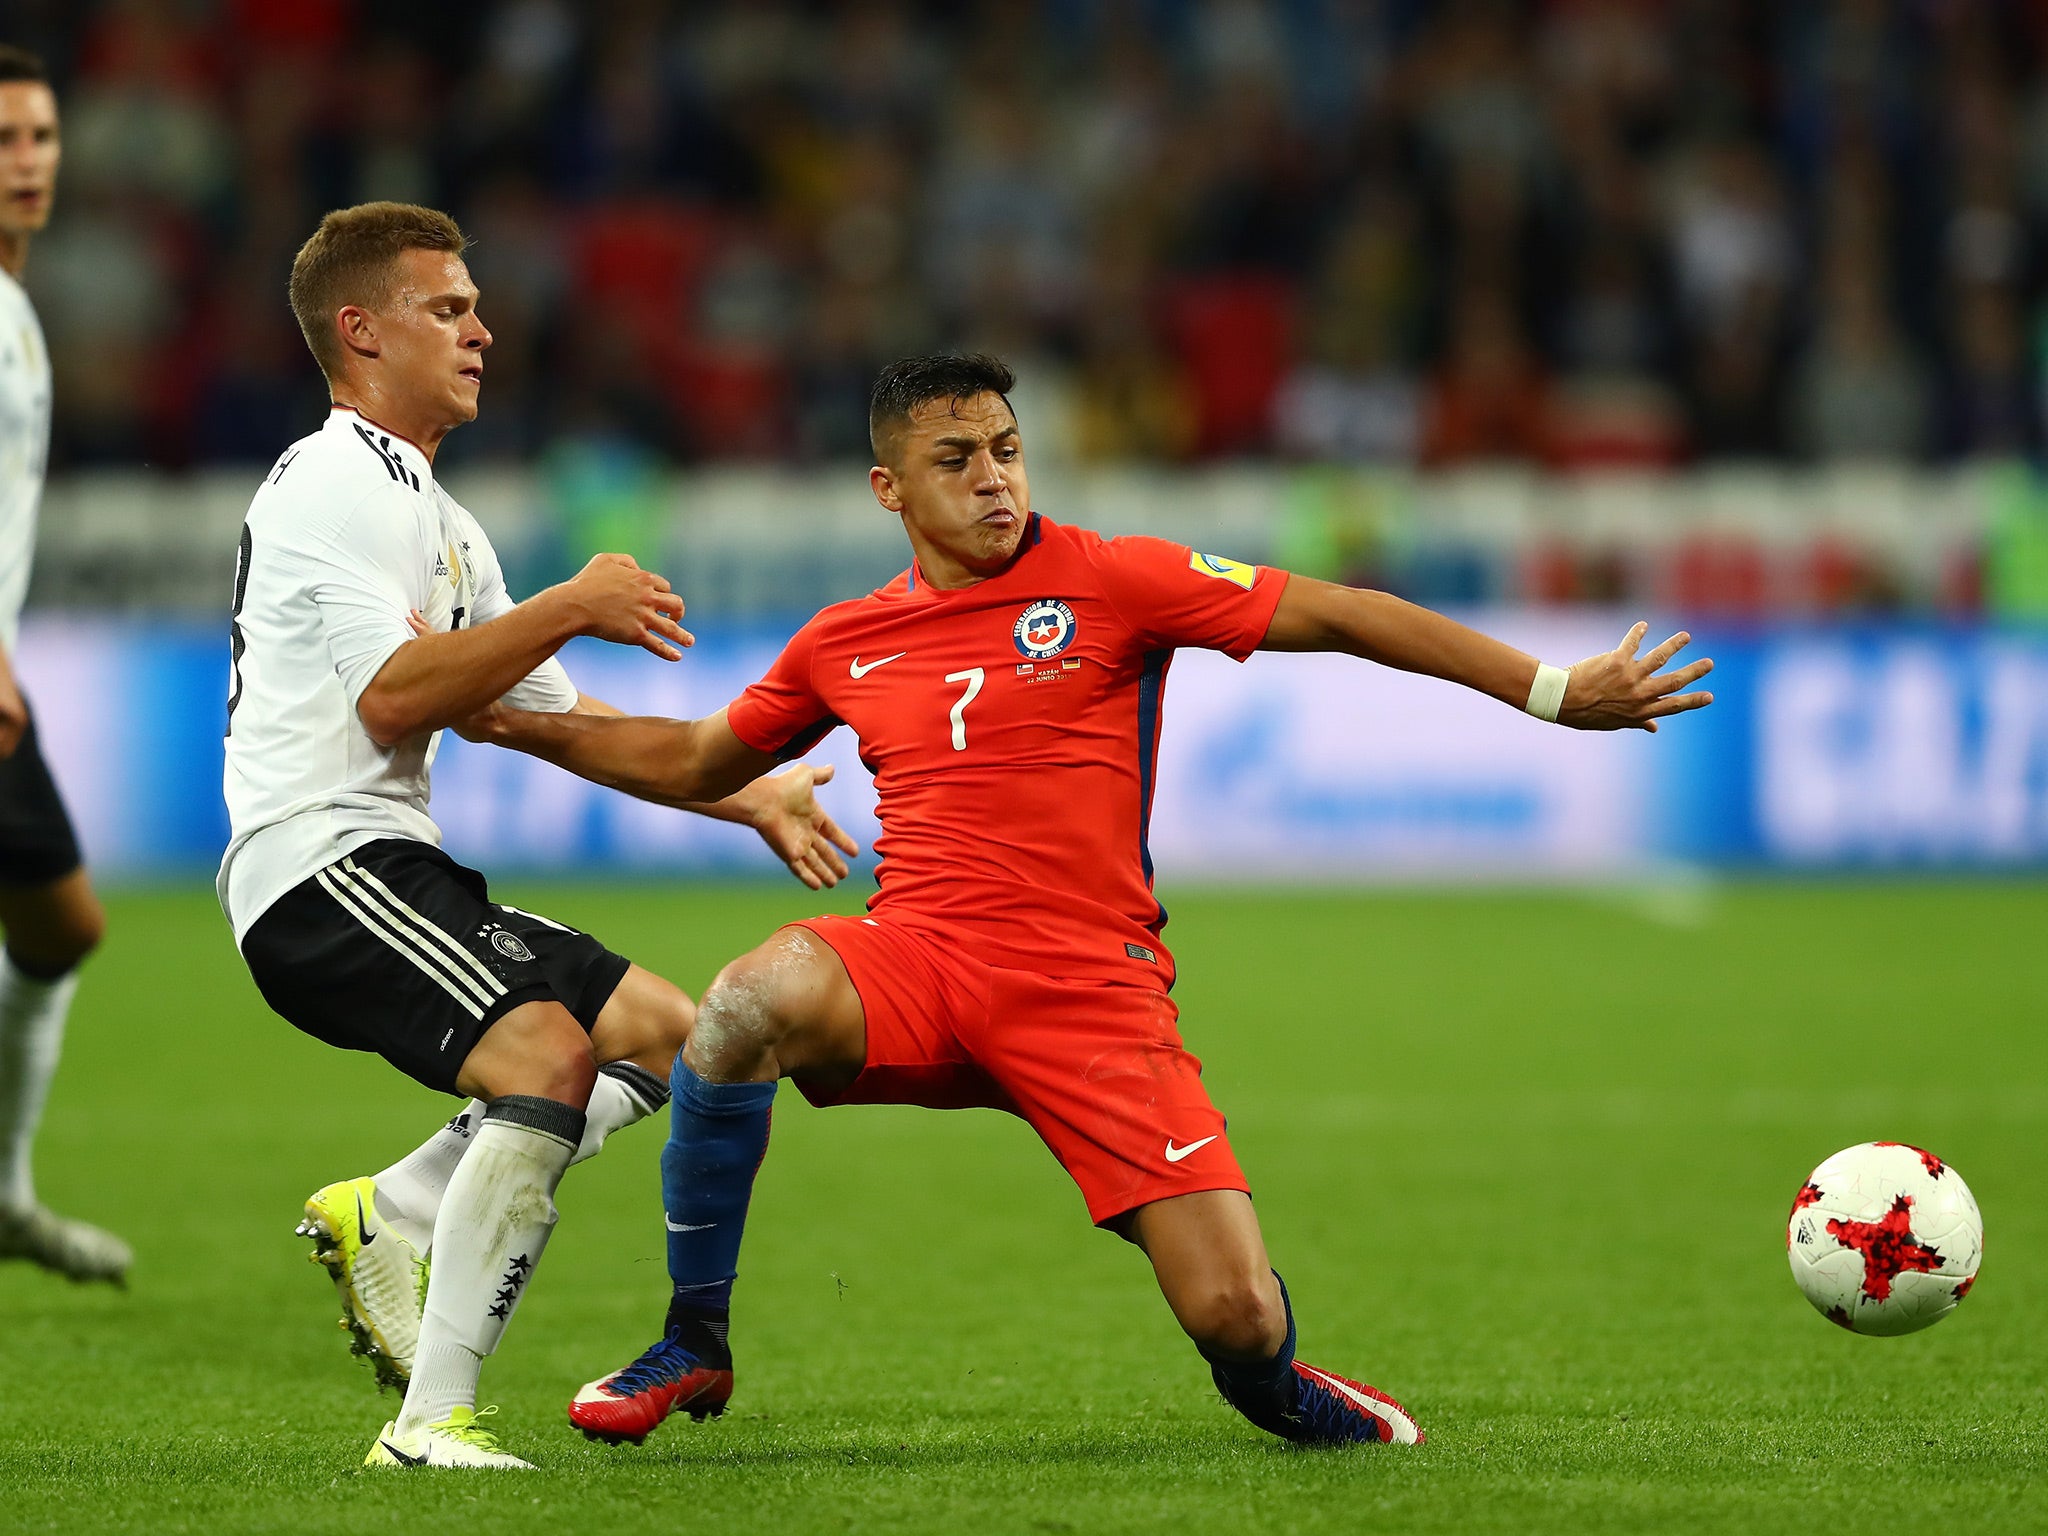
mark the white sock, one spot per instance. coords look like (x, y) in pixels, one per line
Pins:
(32, 1014)
(493, 1227)
(625, 1094)
(409, 1192)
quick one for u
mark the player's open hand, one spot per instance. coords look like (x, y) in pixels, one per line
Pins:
(1623, 691)
(619, 602)
(786, 813)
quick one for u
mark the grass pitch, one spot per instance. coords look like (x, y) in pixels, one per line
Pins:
(1524, 1160)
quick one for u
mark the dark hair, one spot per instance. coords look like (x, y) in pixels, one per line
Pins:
(348, 261)
(904, 386)
(20, 64)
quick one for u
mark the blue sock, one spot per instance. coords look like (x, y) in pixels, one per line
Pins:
(718, 1134)
(1264, 1391)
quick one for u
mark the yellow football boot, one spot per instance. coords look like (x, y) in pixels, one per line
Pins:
(457, 1441)
(380, 1277)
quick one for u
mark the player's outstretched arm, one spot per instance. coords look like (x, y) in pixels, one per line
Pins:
(1614, 691)
(435, 680)
(688, 764)
(781, 807)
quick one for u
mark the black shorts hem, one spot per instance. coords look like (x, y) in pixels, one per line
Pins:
(600, 983)
(518, 997)
(37, 843)
(29, 874)
(399, 950)
(603, 981)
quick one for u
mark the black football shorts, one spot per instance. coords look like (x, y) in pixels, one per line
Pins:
(37, 845)
(400, 950)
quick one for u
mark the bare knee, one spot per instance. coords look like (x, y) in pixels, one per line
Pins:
(770, 1011)
(565, 1075)
(646, 1021)
(84, 925)
(51, 931)
(789, 1009)
(741, 1020)
(59, 950)
(1241, 1317)
(536, 1050)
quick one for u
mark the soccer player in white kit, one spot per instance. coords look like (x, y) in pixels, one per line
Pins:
(47, 906)
(369, 613)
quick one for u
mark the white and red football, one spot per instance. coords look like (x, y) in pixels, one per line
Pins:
(1885, 1238)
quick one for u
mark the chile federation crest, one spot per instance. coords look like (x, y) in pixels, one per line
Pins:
(1044, 629)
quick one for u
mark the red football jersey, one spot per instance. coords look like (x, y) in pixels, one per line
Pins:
(1012, 729)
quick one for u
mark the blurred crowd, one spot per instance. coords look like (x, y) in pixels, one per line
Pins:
(1570, 233)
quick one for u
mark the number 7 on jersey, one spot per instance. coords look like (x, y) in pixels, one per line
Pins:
(972, 677)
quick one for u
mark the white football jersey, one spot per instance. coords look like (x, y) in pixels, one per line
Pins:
(347, 535)
(24, 447)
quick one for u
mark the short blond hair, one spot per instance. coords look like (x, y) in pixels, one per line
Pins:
(348, 261)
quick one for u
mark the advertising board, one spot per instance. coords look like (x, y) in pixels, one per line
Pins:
(1860, 749)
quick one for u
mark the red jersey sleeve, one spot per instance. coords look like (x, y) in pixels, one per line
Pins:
(782, 714)
(1173, 596)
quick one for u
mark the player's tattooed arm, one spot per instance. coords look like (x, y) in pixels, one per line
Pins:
(1617, 690)
(434, 680)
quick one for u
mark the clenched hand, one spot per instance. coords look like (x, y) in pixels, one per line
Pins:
(621, 603)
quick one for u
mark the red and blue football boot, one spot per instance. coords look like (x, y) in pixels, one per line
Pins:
(1327, 1410)
(670, 1377)
(1334, 1410)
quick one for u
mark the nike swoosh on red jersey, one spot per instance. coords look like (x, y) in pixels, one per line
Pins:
(857, 670)
(1175, 1154)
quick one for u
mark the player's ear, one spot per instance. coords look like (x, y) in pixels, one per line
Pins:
(357, 328)
(882, 480)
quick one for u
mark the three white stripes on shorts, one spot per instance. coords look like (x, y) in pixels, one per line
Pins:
(430, 948)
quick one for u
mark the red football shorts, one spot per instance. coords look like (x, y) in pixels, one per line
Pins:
(1097, 1069)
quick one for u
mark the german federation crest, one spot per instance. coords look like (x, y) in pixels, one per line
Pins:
(510, 945)
(1044, 629)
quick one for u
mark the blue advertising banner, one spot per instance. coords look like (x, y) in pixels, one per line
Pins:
(1866, 747)
(1861, 748)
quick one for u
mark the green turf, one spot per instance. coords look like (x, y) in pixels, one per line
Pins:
(1524, 1160)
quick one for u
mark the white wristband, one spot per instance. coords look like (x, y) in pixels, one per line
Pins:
(1546, 694)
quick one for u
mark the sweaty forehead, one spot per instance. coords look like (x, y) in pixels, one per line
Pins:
(26, 103)
(419, 275)
(981, 417)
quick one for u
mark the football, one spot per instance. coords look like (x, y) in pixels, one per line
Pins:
(1885, 1238)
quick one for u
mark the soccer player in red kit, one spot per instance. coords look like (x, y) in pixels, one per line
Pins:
(1006, 694)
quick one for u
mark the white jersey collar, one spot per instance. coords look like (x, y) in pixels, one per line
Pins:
(401, 454)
